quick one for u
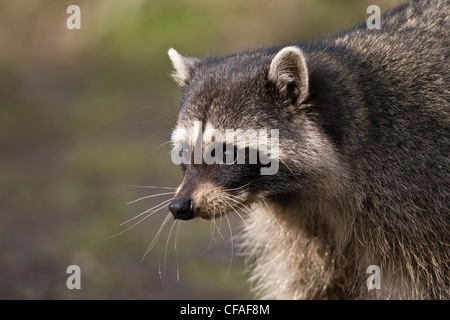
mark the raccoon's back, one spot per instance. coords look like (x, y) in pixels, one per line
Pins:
(401, 75)
(408, 58)
(399, 143)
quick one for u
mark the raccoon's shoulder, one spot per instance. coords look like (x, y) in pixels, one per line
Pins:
(415, 29)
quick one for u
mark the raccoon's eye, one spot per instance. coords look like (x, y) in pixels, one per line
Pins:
(230, 155)
(184, 153)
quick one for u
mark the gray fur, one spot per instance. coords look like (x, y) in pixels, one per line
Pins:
(364, 172)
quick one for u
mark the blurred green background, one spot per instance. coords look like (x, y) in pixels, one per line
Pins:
(84, 115)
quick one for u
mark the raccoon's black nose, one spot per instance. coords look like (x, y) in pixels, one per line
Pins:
(182, 209)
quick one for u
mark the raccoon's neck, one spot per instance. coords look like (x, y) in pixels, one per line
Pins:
(295, 254)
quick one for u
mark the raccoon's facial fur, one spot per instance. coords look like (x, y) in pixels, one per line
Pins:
(215, 189)
(255, 90)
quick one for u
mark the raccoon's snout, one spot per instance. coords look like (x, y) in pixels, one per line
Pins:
(182, 209)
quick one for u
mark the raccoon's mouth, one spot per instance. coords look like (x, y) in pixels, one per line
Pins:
(209, 215)
(218, 209)
(209, 203)
(185, 209)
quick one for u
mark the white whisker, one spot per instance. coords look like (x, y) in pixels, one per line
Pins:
(175, 247)
(163, 144)
(232, 248)
(274, 218)
(233, 208)
(238, 188)
(242, 206)
(211, 230)
(155, 239)
(151, 210)
(165, 251)
(133, 225)
(152, 187)
(151, 196)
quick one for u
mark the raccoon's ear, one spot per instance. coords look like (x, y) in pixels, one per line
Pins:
(289, 73)
(183, 66)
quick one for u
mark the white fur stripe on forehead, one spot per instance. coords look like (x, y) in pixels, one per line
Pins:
(211, 134)
(262, 144)
(251, 138)
(187, 135)
(179, 136)
(191, 135)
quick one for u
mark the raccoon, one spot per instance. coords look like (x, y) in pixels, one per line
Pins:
(363, 177)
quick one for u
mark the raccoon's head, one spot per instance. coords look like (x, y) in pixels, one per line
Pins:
(256, 96)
